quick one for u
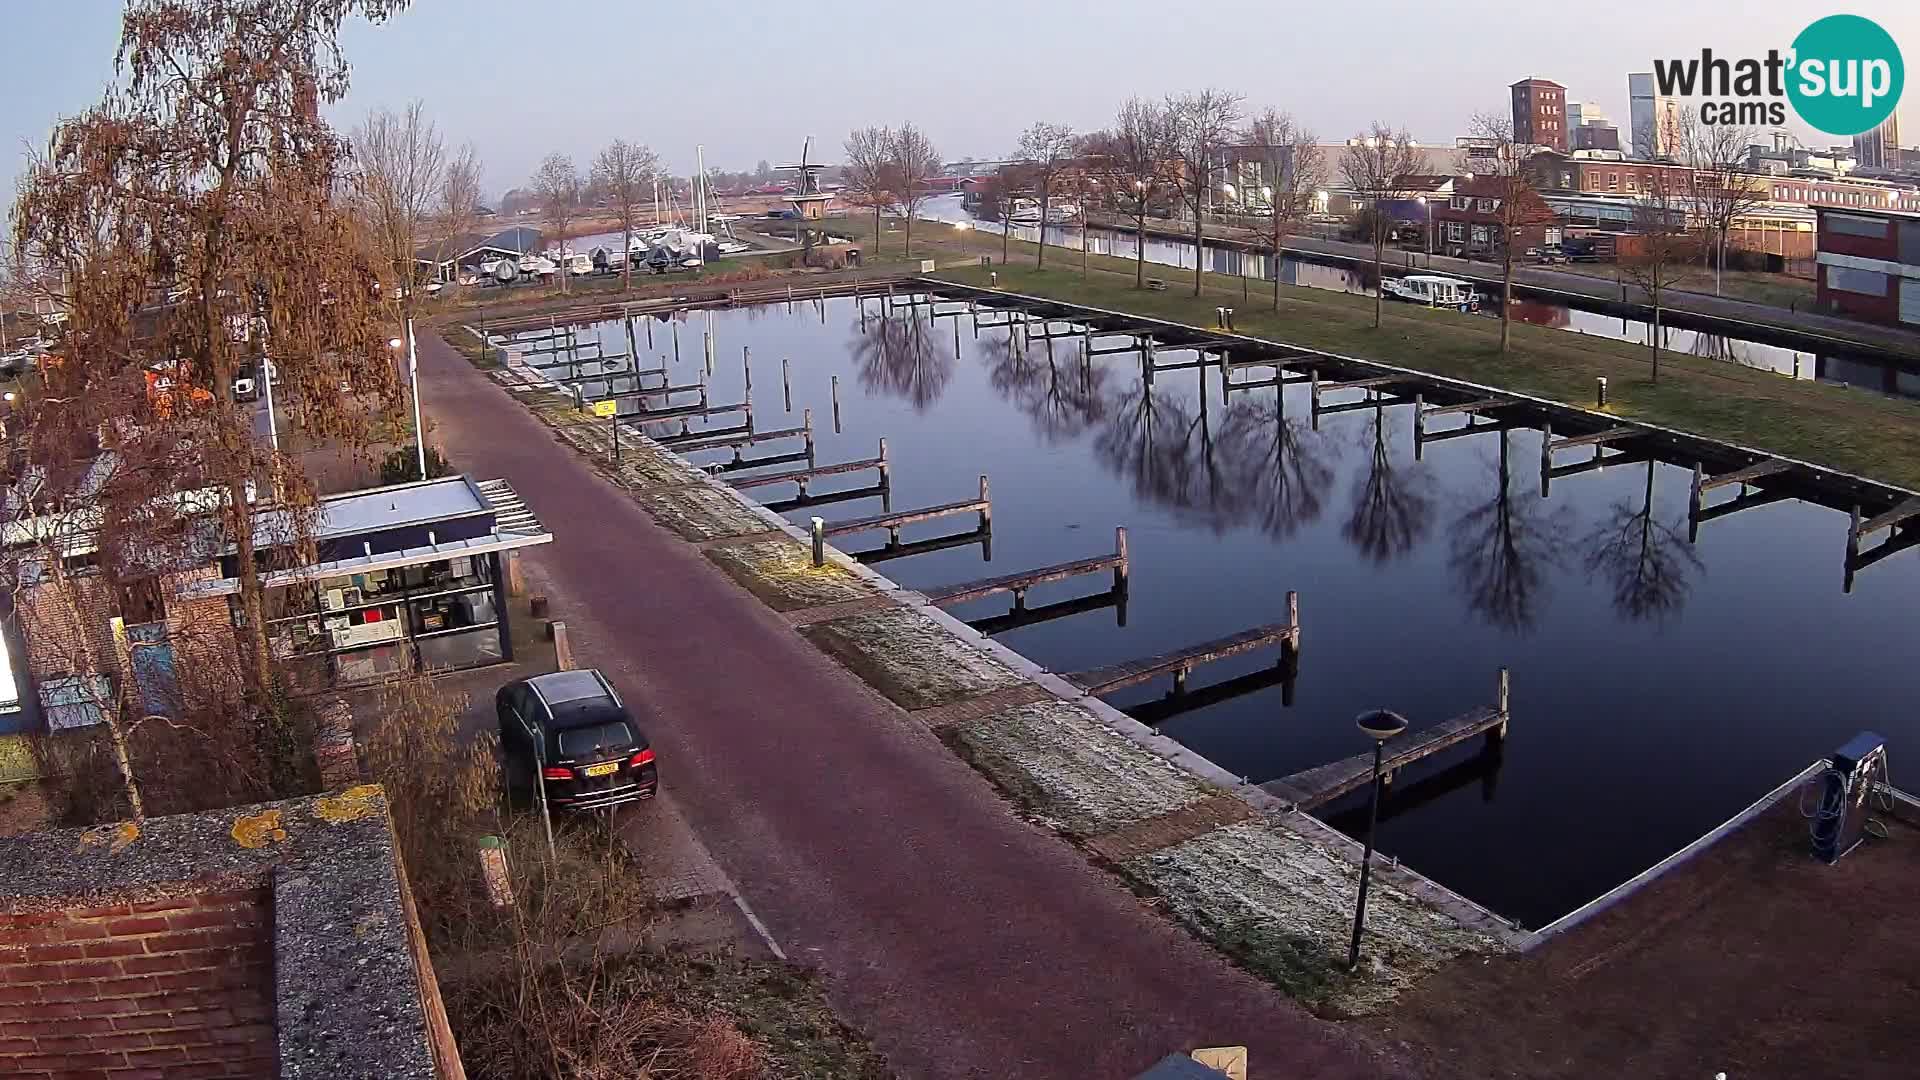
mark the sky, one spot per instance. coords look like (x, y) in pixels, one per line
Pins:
(751, 79)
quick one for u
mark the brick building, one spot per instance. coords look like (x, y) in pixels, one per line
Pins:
(1540, 114)
(259, 942)
(1469, 220)
(1869, 265)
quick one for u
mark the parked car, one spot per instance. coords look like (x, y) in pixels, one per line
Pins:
(569, 732)
(244, 388)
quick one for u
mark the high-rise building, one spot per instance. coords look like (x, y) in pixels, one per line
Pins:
(1540, 113)
(1655, 120)
(1879, 148)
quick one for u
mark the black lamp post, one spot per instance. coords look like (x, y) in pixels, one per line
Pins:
(1378, 725)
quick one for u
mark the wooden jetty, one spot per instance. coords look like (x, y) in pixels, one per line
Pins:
(982, 536)
(803, 477)
(1374, 386)
(1902, 523)
(894, 521)
(1168, 706)
(1599, 440)
(1471, 409)
(1059, 609)
(1105, 680)
(1322, 784)
(1749, 476)
(738, 439)
(1018, 583)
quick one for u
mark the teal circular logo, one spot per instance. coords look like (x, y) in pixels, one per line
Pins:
(1847, 75)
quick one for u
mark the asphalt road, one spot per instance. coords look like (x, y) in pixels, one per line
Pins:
(964, 941)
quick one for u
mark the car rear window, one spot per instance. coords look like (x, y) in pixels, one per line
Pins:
(593, 740)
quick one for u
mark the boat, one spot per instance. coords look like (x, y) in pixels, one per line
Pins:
(1024, 212)
(1062, 214)
(536, 266)
(1433, 290)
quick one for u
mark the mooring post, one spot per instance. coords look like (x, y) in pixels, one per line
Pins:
(986, 505)
(746, 368)
(1853, 536)
(1120, 550)
(1694, 500)
(1290, 645)
(886, 470)
(1420, 424)
(676, 342)
(614, 417)
(819, 541)
(836, 404)
(1546, 457)
(806, 422)
(1500, 733)
(956, 338)
(1313, 386)
(633, 347)
(789, 298)
(786, 379)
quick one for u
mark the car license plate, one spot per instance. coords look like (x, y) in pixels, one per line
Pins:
(605, 768)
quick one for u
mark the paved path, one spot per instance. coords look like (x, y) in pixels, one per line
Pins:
(966, 942)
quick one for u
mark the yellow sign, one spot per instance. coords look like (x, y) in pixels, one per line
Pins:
(605, 408)
(1231, 1060)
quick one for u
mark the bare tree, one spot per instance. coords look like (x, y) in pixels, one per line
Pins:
(1510, 180)
(1376, 166)
(912, 161)
(1292, 166)
(1200, 126)
(1721, 189)
(1661, 246)
(398, 164)
(1501, 549)
(1045, 149)
(557, 185)
(623, 174)
(867, 172)
(206, 164)
(1130, 161)
(459, 198)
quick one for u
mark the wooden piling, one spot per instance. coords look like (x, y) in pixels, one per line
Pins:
(1500, 702)
(1313, 380)
(986, 508)
(786, 378)
(1546, 457)
(1290, 649)
(886, 468)
(836, 404)
(746, 368)
(806, 423)
(1120, 569)
(676, 341)
(1419, 424)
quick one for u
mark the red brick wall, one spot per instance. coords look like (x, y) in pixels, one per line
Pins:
(164, 990)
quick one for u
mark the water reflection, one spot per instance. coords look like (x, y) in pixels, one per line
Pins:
(1392, 507)
(1064, 396)
(1645, 562)
(897, 355)
(1284, 467)
(1502, 549)
(1160, 443)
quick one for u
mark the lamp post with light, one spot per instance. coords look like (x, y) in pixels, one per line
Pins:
(1378, 725)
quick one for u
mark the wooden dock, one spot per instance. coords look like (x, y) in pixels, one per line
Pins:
(1311, 788)
(1599, 440)
(736, 439)
(893, 522)
(1105, 680)
(1019, 583)
(1059, 609)
(1698, 512)
(803, 477)
(1902, 523)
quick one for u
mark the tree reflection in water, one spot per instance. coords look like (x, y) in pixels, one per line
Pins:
(1646, 562)
(1501, 549)
(1064, 396)
(1283, 467)
(898, 355)
(1391, 507)
(1166, 448)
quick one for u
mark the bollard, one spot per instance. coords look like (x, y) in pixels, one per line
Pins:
(537, 606)
(562, 648)
(819, 541)
(1229, 322)
(993, 279)
(836, 404)
(1600, 391)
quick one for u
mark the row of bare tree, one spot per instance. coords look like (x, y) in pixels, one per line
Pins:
(889, 167)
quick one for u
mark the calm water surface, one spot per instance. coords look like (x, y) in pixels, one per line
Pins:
(1658, 686)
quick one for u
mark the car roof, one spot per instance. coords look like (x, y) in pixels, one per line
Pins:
(559, 687)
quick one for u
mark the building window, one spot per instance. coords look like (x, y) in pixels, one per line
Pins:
(1479, 234)
(1460, 202)
(1613, 181)
(1456, 232)
(1864, 282)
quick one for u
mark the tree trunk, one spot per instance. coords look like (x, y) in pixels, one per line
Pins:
(909, 225)
(1273, 260)
(626, 269)
(1506, 294)
(1379, 252)
(1006, 226)
(1655, 337)
(876, 228)
(1040, 255)
(1199, 239)
(1140, 248)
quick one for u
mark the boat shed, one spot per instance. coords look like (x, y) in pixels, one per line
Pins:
(442, 261)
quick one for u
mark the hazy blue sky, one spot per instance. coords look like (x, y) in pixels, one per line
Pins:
(750, 79)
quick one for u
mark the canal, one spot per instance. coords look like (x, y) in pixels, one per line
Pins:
(1865, 373)
(1658, 686)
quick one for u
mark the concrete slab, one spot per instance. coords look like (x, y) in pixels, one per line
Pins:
(781, 573)
(910, 658)
(1283, 906)
(1071, 771)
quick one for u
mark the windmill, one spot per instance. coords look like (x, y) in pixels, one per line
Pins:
(807, 198)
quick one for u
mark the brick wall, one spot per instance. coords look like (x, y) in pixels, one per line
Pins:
(58, 643)
(163, 990)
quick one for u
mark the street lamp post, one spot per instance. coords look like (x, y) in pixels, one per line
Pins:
(1378, 725)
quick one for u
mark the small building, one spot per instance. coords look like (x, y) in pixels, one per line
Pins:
(1540, 113)
(443, 261)
(409, 575)
(1869, 265)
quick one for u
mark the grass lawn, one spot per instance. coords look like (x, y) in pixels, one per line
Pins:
(1849, 430)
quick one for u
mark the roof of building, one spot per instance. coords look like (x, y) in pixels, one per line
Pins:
(519, 239)
(293, 912)
(1535, 80)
